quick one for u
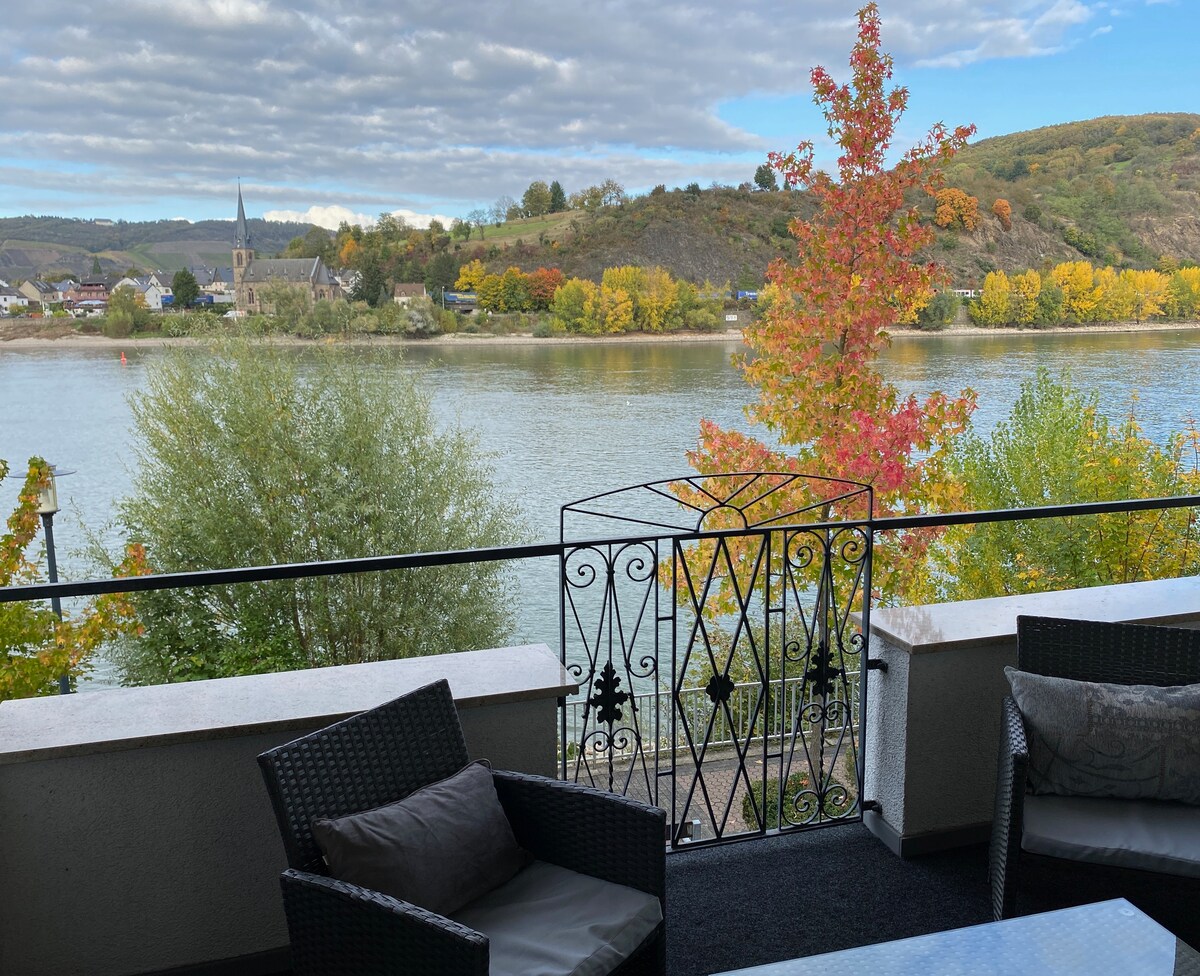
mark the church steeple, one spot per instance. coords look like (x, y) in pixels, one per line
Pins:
(241, 236)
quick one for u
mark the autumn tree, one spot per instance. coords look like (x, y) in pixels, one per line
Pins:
(36, 647)
(954, 208)
(1003, 211)
(819, 395)
(470, 275)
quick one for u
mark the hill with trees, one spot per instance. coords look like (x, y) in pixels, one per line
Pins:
(1120, 190)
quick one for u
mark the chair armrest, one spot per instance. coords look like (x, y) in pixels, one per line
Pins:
(342, 929)
(601, 834)
(1011, 775)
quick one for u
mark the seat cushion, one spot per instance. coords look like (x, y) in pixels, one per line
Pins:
(440, 847)
(1146, 834)
(549, 921)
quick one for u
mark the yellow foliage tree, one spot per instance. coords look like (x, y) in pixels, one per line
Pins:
(470, 275)
(994, 299)
(1076, 279)
(1023, 297)
(1183, 293)
(1151, 289)
(659, 303)
(954, 208)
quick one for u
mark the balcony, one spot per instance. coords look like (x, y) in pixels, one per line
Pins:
(138, 837)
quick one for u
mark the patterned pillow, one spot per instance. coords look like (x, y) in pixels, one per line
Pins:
(1092, 739)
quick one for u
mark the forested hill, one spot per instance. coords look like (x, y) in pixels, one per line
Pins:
(41, 246)
(1116, 190)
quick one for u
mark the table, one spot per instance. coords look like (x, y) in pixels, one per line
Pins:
(1106, 937)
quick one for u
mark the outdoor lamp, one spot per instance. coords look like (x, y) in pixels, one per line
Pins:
(47, 507)
(48, 497)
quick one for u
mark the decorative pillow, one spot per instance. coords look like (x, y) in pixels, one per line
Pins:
(1092, 739)
(440, 847)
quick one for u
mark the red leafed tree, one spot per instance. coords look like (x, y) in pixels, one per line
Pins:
(820, 396)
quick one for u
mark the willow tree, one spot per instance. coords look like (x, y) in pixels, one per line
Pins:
(855, 273)
(250, 454)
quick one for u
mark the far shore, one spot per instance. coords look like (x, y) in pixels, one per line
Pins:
(40, 334)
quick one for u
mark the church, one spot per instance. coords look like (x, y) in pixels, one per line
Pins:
(251, 274)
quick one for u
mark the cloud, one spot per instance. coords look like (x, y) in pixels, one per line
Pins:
(432, 108)
(334, 215)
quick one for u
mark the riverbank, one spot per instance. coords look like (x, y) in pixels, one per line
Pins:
(26, 334)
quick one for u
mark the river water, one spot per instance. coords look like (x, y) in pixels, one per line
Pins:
(567, 420)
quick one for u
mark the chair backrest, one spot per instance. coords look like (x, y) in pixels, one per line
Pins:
(376, 757)
(1093, 650)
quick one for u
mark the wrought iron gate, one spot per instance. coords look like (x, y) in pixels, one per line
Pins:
(709, 623)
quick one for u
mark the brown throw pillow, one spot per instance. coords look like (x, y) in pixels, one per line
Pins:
(1093, 739)
(441, 847)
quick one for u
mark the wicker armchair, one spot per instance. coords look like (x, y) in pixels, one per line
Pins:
(1093, 651)
(383, 755)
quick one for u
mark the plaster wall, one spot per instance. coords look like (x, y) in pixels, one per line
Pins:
(933, 718)
(131, 856)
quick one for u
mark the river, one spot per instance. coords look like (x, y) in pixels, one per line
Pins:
(567, 420)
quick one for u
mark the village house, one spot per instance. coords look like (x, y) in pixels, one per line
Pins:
(12, 301)
(252, 275)
(405, 293)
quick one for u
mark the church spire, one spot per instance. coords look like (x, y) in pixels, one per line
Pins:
(241, 236)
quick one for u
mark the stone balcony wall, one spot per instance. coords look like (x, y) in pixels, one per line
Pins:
(933, 719)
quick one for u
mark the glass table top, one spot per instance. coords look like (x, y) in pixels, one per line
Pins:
(1107, 937)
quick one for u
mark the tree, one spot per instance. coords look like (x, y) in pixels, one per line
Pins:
(940, 311)
(478, 218)
(371, 281)
(764, 178)
(819, 395)
(1057, 448)
(470, 275)
(558, 198)
(96, 269)
(501, 209)
(460, 229)
(126, 312)
(36, 647)
(954, 208)
(1003, 211)
(440, 274)
(536, 200)
(249, 455)
(184, 288)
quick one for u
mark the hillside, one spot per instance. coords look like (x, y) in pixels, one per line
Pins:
(32, 246)
(1114, 190)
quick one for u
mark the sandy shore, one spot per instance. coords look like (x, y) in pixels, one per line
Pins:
(22, 334)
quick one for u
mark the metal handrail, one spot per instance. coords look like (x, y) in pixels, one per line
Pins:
(371, 564)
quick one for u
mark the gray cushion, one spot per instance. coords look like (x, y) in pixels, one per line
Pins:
(1150, 835)
(440, 847)
(549, 921)
(1091, 739)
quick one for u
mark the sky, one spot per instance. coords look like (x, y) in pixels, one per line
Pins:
(331, 110)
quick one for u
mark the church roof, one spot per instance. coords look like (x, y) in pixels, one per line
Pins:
(241, 236)
(293, 270)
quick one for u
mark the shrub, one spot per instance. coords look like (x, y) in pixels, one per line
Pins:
(835, 803)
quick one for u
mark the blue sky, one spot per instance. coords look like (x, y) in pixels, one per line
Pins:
(342, 110)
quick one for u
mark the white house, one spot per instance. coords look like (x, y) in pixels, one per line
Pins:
(12, 301)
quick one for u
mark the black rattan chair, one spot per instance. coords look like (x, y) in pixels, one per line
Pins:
(383, 755)
(1094, 651)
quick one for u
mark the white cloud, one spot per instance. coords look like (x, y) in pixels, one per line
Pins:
(416, 107)
(334, 215)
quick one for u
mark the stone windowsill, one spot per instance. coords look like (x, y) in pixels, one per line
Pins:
(130, 718)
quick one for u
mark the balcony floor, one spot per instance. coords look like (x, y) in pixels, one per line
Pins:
(775, 898)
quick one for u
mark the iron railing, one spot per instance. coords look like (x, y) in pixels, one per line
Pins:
(765, 710)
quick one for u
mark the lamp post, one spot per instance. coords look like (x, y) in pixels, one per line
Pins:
(47, 507)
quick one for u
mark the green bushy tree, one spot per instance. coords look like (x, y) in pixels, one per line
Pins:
(251, 455)
(1057, 448)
